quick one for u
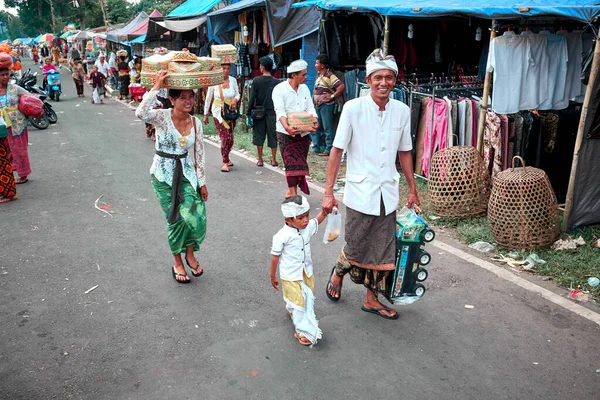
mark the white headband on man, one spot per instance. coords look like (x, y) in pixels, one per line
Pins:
(376, 61)
(297, 66)
(292, 209)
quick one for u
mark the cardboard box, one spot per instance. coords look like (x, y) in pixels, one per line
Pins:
(300, 120)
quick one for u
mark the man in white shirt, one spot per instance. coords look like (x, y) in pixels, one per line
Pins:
(293, 95)
(373, 129)
(102, 65)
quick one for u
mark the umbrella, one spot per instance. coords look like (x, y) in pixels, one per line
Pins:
(46, 37)
(83, 35)
(17, 41)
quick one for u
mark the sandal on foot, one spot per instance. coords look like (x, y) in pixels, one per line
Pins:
(275, 164)
(335, 289)
(21, 181)
(224, 170)
(230, 164)
(378, 312)
(302, 340)
(195, 270)
(259, 164)
(176, 274)
(7, 199)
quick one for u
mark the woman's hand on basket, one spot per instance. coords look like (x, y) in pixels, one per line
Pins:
(204, 193)
(160, 79)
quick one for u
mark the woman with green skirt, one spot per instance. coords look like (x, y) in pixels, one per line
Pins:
(178, 174)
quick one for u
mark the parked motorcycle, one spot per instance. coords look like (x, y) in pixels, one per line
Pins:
(29, 83)
(53, 85)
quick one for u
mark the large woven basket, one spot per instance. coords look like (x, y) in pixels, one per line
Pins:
(459, 183)
(523, 212)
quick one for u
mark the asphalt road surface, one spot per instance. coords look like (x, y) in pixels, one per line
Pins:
(140, 335)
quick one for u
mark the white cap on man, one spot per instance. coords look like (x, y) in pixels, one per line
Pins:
(297, 66)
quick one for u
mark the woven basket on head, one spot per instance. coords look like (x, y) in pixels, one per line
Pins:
(459, 183)
(523, 212)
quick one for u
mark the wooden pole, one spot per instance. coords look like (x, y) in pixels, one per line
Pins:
(486, 94)
(386, 36)
(580, 130)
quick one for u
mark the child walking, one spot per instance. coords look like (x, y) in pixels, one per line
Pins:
(98, 80)
(291, 252)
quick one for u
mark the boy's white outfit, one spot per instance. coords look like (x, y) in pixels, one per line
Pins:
(292, 245)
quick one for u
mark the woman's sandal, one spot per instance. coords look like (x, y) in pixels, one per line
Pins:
(22, 180)
(275, 164)
(259, 164)
(176, 274)
(335, 289)
(195, 270)
(302, 340)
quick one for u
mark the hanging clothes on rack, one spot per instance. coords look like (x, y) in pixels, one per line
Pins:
(492, 143)
(557, 70)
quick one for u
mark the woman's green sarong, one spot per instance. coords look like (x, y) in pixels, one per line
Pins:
(190, 228)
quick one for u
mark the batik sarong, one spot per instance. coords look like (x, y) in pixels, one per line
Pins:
(226, 136)
(370, 251)
(8, 187)
(294, 152)
(190, 228)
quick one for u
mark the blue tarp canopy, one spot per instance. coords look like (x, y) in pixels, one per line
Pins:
(139, 39)
(193, 7)
(225, 19)
(581, 10)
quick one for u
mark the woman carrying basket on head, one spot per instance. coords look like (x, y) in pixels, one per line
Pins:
(220, 96)
(178, 174)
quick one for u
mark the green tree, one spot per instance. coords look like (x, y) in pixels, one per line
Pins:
(162, 6)
(14, 28)
(119, 11)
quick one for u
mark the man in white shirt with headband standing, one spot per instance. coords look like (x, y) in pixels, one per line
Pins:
(373, 129)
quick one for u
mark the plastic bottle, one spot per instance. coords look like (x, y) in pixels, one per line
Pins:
(593, 281)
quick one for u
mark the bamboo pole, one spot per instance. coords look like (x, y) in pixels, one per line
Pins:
(580, 130)
(386, 36)
(486, 94)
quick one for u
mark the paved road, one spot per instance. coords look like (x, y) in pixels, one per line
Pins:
(226, 335)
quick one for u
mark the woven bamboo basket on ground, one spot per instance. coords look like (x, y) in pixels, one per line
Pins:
(459, 183)
(523, 211)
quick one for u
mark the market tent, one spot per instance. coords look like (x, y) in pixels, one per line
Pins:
(581, 10)
(225, 19)
(287, 23)
(142, 28)
(161, 26)
(193, 7)
(119, 35)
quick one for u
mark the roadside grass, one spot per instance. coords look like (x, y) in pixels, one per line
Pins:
(568, 268)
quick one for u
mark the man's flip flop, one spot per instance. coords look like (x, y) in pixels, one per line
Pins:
(335, 289)
(377, 311)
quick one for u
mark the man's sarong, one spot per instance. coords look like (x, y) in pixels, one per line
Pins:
(190, 228)
(294, 152)
(370, 251)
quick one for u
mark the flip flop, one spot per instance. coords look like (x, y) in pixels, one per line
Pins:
(195, 270)
(259, 164)
(300, 338)
(176, 274)
(377, 311)
(274, 164)
(335, 289)
(21, 181)
(224, 170)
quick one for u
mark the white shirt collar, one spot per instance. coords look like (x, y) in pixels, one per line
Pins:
(374, 105)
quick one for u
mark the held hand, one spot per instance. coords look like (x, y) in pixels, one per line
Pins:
(329, 202)
(275, 283)
(413, 199)
(292, 130)
(204, 193)
(233, 105)
(205, 120)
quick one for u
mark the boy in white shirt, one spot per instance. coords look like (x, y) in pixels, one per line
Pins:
(291, 252)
